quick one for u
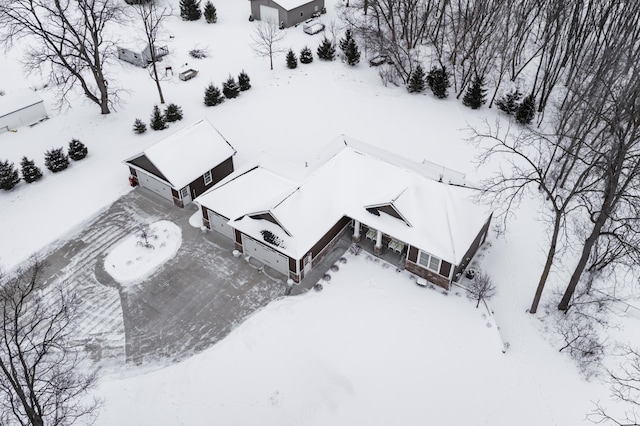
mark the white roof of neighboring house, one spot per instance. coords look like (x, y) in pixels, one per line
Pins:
(187, 153)
(17, 100)
(292, 4)
(435, 217)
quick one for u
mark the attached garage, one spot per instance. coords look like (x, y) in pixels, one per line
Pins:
(219, 224)
(265, 254)
(21, 108)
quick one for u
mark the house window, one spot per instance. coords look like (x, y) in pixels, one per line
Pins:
(429, 261)
(301, 13)
(207, 178)
(184, 192)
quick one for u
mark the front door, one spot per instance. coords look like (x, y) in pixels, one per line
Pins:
(185, 195)
(307, 264)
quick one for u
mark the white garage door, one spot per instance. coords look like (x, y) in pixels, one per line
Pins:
(269, 14)
(265, 254)
(219, 224)
(160, 188)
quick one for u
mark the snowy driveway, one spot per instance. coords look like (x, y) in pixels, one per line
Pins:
(191, 302)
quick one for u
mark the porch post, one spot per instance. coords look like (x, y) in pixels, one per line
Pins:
(377, 249)
(356, 232)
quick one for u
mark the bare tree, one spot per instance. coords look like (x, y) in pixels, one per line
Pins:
(625, 387)
(42, 375)
(481, 287)
(68, 37)
(266, 37)
(152, 19)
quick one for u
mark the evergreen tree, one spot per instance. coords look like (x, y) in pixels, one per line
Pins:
(416, 81)
(526, 110)
(30, 172)
(210, 13)
(475, 96)
(326, 50)
(352, 53)
(292, 61)
(306, 57)
(509, 102)
(56, 160)
(158, 121)
(77, 150)
(139, 126)
(243, 81)
(230, 88)
(9, 176)
(173, 113)
(343, 43)
(212, 96)
(190, 10)
(438, 81)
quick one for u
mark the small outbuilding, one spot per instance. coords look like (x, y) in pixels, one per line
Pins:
(183, 165)
(141, 57)
(21, 108)
(285, 13)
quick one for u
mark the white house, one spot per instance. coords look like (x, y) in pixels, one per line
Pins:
(290, 222)
(21, 108)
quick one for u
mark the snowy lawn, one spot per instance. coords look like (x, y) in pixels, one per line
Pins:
(132, 260)
(372, 348)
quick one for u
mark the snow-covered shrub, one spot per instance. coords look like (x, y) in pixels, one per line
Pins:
(212, 96)
(306, 57)
(230, 88)
(139, 126)
(210, 13)
(77, 150)
(9, 176)
(509, 102)
(416, 81)
(475, 96)
(30, 172)
(173, 113)
(326, 50)
(244, 82)
(526, 110)
(292, 60)
(198, 53)
(158, 121)
(438, 81)
(56, 160)
(190, 10)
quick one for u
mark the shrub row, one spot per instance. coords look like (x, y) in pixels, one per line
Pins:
(55, 160)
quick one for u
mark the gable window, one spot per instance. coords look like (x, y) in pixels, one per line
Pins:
(184, 192)
(429, 261)
(207, 178)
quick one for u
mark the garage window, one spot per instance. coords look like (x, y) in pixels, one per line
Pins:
(207, 178)
(429, 261)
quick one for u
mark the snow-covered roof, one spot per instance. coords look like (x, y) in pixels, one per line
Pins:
(183, 156)
(361, 182)
(17, 100)
(292, 4)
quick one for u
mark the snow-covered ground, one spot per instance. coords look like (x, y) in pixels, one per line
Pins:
(373, 347)
(137, 256)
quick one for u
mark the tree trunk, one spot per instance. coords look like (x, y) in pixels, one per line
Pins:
(582, 263)
(547, 266)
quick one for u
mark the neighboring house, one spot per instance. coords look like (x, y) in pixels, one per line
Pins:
(141, 58)
(183, 165)
(21, 108)
(285, 13)
(290, 223)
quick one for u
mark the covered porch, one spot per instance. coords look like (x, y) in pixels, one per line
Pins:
(379, 244)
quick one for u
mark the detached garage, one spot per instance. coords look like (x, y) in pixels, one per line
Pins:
(21, 108)
(184, 165)
(286, 13)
